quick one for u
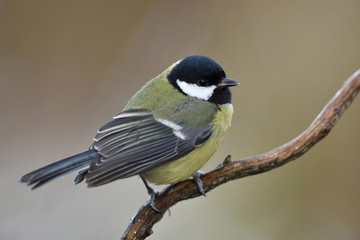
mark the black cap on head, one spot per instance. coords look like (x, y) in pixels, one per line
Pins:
(197, 74)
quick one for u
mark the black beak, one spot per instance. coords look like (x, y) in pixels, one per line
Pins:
(227, 82)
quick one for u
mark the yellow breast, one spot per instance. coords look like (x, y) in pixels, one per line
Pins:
(184, 167)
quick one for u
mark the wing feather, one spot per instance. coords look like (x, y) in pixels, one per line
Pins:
(134, 142)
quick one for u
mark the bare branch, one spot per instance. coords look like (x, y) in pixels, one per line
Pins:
(141, 224)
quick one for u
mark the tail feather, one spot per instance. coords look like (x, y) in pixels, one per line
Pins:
(60, 168)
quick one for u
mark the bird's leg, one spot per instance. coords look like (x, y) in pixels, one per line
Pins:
(152, 193)
(197, 180)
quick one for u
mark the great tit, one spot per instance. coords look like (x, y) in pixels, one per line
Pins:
(168, 130)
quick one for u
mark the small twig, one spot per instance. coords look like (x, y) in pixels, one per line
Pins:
(141, 224)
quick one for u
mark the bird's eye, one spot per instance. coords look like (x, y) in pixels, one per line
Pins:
(202, 82)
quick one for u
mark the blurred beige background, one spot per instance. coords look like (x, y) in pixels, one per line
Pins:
(66, 67)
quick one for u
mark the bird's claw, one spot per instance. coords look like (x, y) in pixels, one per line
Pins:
(197, 180)
(151, 200)
(152, 194)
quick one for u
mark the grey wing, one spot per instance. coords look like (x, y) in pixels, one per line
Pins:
(134, 142)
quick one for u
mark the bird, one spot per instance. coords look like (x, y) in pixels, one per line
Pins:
(167, 131)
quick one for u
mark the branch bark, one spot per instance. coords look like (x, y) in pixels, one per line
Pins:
(141, 224)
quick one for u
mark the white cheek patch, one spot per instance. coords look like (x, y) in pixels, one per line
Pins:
(193, 90)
